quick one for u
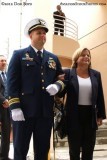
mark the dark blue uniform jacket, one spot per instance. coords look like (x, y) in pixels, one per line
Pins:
(27, 80)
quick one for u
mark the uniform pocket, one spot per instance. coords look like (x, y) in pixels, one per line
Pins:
(28, 63)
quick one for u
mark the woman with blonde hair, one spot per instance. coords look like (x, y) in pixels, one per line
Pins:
(85, 108)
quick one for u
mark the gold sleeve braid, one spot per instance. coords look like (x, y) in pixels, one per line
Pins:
(62, 84)
(13, 100)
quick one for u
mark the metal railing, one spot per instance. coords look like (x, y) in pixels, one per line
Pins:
(65, 27)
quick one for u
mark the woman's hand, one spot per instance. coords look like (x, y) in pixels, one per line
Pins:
(99, 121)
(61, 77)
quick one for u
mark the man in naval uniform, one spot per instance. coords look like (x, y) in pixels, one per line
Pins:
(32, 83)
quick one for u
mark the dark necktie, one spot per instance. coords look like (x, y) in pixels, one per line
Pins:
(39, 54)
(5, 83)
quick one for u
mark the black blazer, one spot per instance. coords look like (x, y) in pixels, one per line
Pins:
(2, 98)
(59, 21)
(2, 89)
(72, 90)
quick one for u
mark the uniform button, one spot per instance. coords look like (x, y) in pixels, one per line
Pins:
(42, 73)
(42, 80)
(43, 87)
(27, 64)
(41, 67)
(22, 94)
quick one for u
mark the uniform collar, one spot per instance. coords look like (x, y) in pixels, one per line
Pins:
(35, 49)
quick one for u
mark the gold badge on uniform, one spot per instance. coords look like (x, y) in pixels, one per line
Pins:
(52, 63)
(27, 57)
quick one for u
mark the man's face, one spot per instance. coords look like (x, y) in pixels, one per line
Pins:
(38, 37)
(3, 63)
(58, 7)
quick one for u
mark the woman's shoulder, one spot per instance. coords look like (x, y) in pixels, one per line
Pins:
(95, 72)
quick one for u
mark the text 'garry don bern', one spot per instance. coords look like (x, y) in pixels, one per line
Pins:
(15, 4)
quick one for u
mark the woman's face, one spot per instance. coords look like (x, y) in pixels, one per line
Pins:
(84, 58)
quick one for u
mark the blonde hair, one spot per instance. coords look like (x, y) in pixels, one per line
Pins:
(77, 54)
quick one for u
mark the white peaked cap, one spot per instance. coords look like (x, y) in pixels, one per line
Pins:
(35, 23)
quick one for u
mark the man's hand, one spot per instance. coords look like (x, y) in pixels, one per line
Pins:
(52, 89)
(17, 115)
(5, 104)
